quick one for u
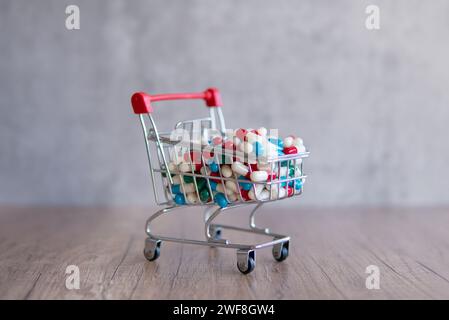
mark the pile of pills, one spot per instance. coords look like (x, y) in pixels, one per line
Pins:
(249, 166)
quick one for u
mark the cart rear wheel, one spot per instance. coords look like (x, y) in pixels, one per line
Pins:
(216, 233)
(246, 261)
(152, 249)
(280, 251)
(251, 264)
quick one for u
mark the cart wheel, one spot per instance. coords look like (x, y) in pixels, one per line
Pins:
(246, 261)
(280, 251)
(216, 233)
(152, 249)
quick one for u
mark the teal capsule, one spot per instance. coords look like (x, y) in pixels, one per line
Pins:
(244, 185)
(176, 188)
(180, 199)
(213, 167)
(291, 172)
(283, 184)
(220, 200)
(213, 185)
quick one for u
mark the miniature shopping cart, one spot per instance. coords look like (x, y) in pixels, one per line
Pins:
(162, 149)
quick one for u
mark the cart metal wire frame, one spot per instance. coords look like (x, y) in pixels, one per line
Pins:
(162, 149)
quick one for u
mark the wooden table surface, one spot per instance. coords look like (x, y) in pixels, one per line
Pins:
(329, 252)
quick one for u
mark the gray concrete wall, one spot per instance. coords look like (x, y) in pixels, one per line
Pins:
(372, 106)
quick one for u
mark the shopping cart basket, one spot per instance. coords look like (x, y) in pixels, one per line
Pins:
(163, 149)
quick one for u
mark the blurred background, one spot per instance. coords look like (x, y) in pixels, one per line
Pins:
(371, 105)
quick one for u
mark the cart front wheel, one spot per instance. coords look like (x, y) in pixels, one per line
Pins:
(246, 261)
(152, 249)
(280, 251)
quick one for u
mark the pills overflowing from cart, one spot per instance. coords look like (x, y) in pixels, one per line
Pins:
(240, 168)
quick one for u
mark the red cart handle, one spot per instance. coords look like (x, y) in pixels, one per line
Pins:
(141, 101)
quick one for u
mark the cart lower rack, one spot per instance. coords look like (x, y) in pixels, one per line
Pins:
(199, 164)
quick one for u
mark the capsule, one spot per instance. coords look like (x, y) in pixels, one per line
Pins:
(188, 187)
(204, 195)
(176, 188)
(232, 185)
(185, 167)
(245, 185)
(179, 199)
(290, 150)
(213, 167)
(246, 147)
(259, 176)
(232, 197)
(226, 171)
(241, 133)
(239, 168)
(288, 142)
(220, 200)
(192, 197)
(262, 131)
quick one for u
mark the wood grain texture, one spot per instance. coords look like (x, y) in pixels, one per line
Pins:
(329, 252)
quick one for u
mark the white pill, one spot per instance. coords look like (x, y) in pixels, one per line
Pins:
(282, 192)
(259, 187)
(220, 188)
(259, 176)
(264, 195)
(176, 179)
(232, 197)
(226, 171)
(256, 195)
(301, 148)
(298, 141)
(232, 185)
(252, 137)
(185, 167)
(188, 187)
(246, 147)
(192, 197)
(274, 185)
(262, 131)
(276, 193)
(229, 191)
(172, 167)
(288, 142)
(239, 168)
